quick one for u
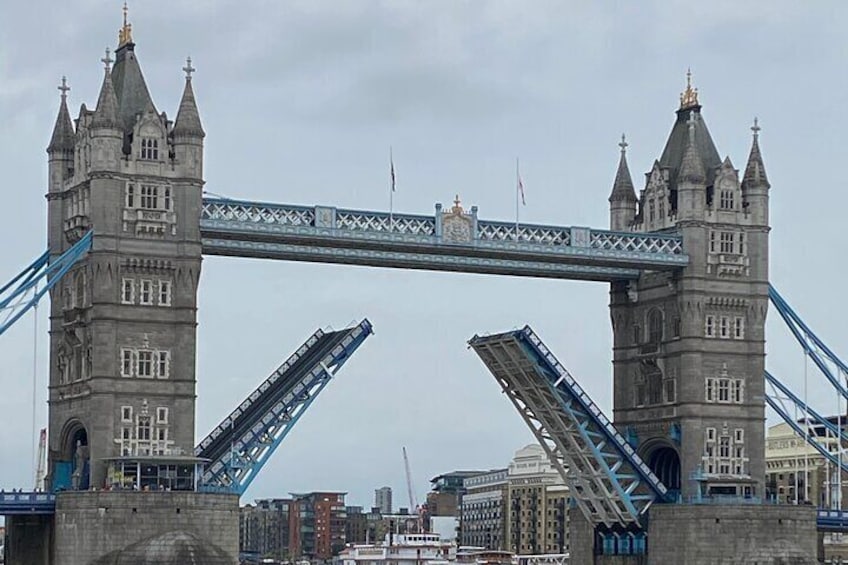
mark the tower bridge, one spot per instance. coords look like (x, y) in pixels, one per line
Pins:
(687, 264)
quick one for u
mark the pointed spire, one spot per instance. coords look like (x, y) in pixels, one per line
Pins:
(63, 132)
(622, 187)
(106, 113)
(692, 167)
(188, 118)
(125, 33)
(755, 172)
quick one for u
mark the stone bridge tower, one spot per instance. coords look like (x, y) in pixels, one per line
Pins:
(123, 322)
(689, 347)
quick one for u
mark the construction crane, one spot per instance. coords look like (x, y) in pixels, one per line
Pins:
(42, 460)
(413, 505)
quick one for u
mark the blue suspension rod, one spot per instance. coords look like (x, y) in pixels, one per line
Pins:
(793, 321)
(52, 272)
(794, 425)
(772, 380)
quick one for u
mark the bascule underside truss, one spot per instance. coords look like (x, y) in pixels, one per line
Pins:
(609, 482)
(241, 444)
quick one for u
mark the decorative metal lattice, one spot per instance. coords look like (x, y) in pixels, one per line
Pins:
(255, 212)
(640, 243)
(371, 221)
(528, 233)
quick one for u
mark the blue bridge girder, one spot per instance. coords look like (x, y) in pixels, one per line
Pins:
(27, 503)
(242, 443)
(334, 235)
(608, 480)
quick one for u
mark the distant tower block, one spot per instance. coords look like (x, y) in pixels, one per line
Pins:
(689, 346)
(383, 499)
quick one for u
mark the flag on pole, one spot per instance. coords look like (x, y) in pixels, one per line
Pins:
(521, 191)
(392, 168)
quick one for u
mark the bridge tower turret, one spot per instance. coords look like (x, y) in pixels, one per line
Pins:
(123, 322)
(689, 346)
(623, 197)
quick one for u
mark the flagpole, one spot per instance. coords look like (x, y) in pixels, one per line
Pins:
(391, 190)
(517, 181)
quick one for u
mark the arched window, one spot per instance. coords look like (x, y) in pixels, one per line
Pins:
(655, 326)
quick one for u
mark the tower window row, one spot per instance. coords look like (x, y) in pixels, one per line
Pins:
(145, 363)
(726, 390)
(728, 242)
(149, 148)
(149, 197)
(150, 292)
(724, 327)
(724, 454)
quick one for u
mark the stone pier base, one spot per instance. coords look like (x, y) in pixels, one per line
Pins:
(92, 526)
(709, 534)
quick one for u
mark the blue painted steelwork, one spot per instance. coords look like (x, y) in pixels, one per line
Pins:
(812, 345)
(240, 445)
(23, 292)
(609, 482)
(27, 503)
(832, 520)
(815, 419)
(453, 240)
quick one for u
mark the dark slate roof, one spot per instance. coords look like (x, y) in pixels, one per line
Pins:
(106, 112)
(63, 132)
(188, 118)
(130, 88)
(691, 165)
(622, 188)
(172, 548)
(755, 171)
(675, 147)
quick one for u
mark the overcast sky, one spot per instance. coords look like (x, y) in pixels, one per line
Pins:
(301, 101)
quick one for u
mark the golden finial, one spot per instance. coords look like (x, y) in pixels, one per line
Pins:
(457, 205)
(125, 33)
(689, 97)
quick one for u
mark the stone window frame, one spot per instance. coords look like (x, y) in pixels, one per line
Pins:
(710, 326)
(165, 292)
(727, 199)
(162, 361)
(145, 292)
(130, 195)
(162, 414)
(127, 284)
(126, 414)
(738, 327)
(145, 365)
(149, 150)
(128, 361)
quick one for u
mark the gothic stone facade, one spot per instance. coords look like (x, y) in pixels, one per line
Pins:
(122, 323)
(689, 351)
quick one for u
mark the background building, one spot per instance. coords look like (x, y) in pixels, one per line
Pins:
(317, 525)
(264, 528)
(538, 504)
(383, 499)
(797, 473)
(483, 509)
(446, 492)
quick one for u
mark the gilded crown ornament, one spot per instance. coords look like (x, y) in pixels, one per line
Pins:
(689, 97)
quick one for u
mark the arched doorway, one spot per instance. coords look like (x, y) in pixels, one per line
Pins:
(72, 470)
(665, 463)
